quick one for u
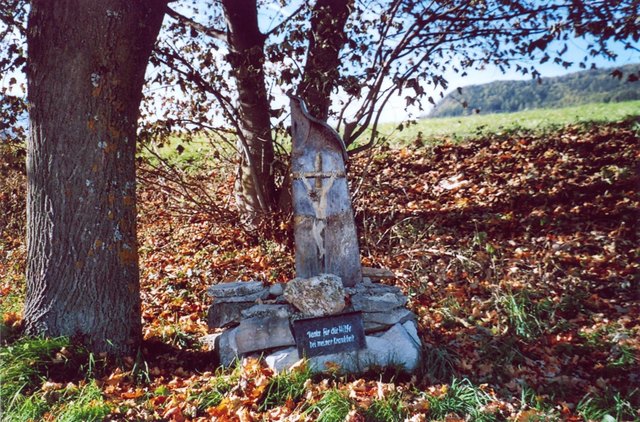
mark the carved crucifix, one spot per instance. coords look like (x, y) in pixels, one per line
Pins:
(324, 229)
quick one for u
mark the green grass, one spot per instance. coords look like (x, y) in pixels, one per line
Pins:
(463, 399)
(23, 367)
(388, 409)
(87, 404)
(334, 406)
(213, 393)
(525, 317)
(610, 407)
(30, 363)
(203, 152)
(285, 386)
(464, 127)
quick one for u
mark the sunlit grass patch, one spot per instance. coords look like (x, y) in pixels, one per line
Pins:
(610, 407)
(213, 392)
(27, 393)
(463, 399)
(465, 127)
(334, 406)
(87, 404)
(388, 409)
(24, 366)
(526, 316)
(286, 386)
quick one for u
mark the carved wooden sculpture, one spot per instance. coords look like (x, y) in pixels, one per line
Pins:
(325, 233)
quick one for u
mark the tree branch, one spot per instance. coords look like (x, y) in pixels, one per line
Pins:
(212, 32)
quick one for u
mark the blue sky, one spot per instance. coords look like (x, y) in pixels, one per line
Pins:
(577, 49)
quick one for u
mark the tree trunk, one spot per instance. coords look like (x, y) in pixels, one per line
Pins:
(326, 39)
(86, 70)
(255, 188)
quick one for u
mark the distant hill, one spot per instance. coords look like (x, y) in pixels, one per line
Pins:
(589, 86)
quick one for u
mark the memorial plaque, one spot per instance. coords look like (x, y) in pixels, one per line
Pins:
(330, 334)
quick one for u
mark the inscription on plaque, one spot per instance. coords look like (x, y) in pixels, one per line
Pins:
(331, 334)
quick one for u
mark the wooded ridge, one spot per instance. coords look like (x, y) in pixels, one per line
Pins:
(589, 86)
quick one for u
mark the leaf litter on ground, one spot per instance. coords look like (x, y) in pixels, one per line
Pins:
(519, 253)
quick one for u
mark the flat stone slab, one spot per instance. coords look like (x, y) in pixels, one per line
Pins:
(369, 302)
(235, 289)
(224, 313)
(395, 347)
(268, 311)
(374, 320)
(260, 333)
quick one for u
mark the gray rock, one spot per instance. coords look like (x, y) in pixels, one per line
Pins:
(261, 333)
(267, 310)
(254, 297)
(377, 289)
(282, 360)
(395, 316)
(224, 345)
(384, 302)
(403, 353)
(276, 290)
(316, 296)
(235, 289)
(226, 313)
(412, 328)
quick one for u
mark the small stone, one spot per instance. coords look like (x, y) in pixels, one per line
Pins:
(225, 313)
(235, 289)
(261, 333)
(276, 290)
(316, 296)
(268, 311)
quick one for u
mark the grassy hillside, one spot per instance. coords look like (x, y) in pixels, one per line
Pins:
(464, 127)
(590, 86)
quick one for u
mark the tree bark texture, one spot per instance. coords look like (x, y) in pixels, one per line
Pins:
(326, 39)
(86, 68)
(255, 187)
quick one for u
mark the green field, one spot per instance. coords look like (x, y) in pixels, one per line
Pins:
(201, 151)
(460, 128)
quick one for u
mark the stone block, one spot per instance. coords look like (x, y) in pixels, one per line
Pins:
(384, 302)
(375, 320)
(260, 333)
(224, 345)
(226, 313)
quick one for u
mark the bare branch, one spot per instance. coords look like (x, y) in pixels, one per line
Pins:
(212, 32)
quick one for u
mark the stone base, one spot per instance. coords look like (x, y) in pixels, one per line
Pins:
(263, 329)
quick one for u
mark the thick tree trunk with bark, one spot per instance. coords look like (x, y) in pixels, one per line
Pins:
(86, 70)
(255, 189)
(326, 39)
